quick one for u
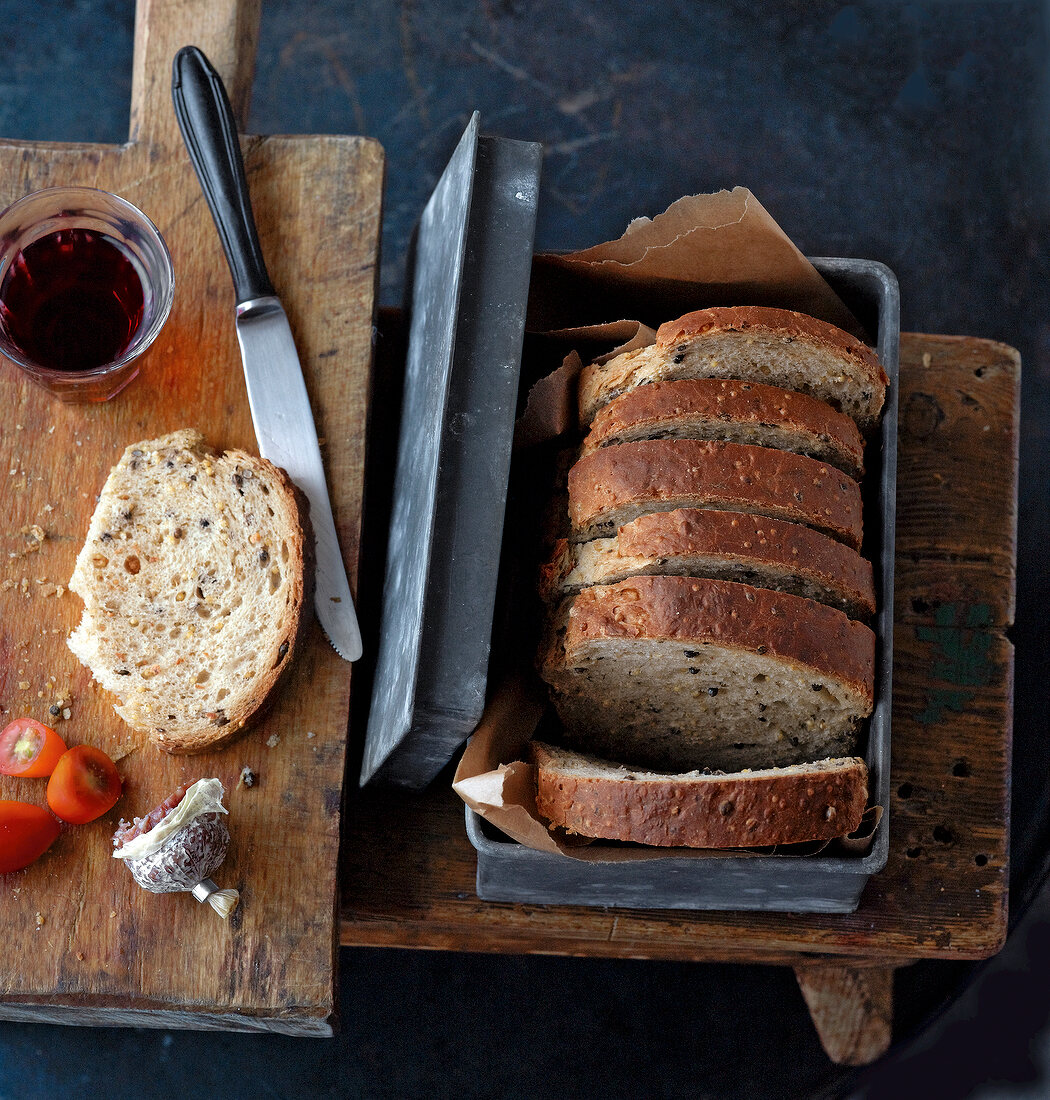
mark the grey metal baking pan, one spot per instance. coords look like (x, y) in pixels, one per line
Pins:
(466, 309)
(507, 871)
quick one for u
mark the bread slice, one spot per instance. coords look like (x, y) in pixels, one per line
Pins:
(194, 586)
(735, 546)
(752, 343)
(804, 802)
(734, 411)
(614, 485)
(682, 673)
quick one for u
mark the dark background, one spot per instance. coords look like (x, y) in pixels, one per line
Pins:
(915, 134)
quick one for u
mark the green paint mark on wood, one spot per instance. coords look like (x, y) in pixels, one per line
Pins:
(961, 644)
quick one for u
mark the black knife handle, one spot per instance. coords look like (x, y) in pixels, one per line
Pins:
(210, 133)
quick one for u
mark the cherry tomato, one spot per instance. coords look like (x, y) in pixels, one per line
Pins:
(29, 748)
(83, 786)
(26, 832)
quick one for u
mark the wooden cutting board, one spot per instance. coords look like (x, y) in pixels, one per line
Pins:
(943, 892)
(83, 943)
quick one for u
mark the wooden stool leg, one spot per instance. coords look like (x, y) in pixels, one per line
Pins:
(851, 1008)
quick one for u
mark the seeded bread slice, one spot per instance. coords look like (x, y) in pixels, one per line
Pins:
(193, 581)
(614, 485)
(735, 546)
(804, 802)
(680, 673)
(752, 343)
(734, 411)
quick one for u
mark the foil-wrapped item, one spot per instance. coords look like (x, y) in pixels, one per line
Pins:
(178, 845)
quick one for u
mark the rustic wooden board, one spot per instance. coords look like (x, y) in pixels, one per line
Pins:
(956, 519)
(408, 875)
(852, 1010)
(84, 943)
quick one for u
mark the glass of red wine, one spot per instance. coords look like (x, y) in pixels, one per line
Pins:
(86, 284)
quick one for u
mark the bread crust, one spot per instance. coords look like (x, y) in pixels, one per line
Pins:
(282, 651)
(715, 406)
(741, 809)
(668, 542)
(785, 323)
(628, 479)
(756, 620)
(193, 471)
(782, 328)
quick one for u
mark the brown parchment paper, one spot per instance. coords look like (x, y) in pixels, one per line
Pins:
(703, 250)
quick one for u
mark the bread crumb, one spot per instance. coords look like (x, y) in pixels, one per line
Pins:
(80, 956)
(310, 734)
(23, 685)
(35, 534)
(273, 740)
(41, 920)
(247, 778)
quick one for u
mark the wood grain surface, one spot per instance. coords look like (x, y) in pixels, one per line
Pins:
(408, 875)
(852, 1010)
(84, 943)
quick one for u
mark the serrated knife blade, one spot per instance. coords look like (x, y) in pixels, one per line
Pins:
(280, 405)
(287, 436)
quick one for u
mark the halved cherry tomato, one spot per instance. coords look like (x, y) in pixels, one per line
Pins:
(29, 748)
(83, 786)
(26, 832)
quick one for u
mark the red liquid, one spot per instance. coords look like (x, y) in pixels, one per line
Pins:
(72, 300)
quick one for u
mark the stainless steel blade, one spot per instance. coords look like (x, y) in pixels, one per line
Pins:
(287, 436)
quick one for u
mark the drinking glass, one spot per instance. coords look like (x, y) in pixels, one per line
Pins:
(86, 284)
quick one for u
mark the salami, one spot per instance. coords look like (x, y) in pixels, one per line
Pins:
(179, 844)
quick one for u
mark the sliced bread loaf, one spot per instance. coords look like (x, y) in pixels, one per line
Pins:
(614, 485)
(734, 411)
(736, 546)
(804, 802)
(682, 673)
(193, 581)
(752, 343)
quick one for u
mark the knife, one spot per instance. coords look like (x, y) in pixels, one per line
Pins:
(280, 405)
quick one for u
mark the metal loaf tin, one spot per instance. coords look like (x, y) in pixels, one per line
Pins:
(508, 871)
(468, 289)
